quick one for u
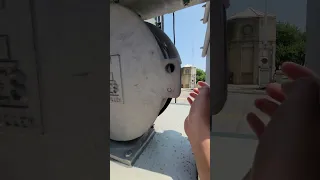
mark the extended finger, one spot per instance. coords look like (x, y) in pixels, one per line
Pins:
(203, 84)
(295, 71)
(196, 90)
(190, 100)
(194, 95)
(274, 90)
(204, 93)
(266, 106)
(256, 124)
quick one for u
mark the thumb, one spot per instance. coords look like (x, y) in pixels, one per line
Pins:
(204, 96)
(204, 91)
(303, 92)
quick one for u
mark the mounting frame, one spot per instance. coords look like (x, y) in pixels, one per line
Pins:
(128, 152)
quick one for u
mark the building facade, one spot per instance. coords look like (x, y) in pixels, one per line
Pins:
(188, 76)
(251, 61)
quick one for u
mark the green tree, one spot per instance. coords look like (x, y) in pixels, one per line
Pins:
(201, 75)
(291, 42)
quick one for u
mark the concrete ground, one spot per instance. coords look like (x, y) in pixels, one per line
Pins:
(232, 118)
(239, 103)
(233, 142)
(169, 156)
(241, 89)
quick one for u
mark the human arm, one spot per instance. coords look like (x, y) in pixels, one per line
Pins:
(288, 126)
(197, 128)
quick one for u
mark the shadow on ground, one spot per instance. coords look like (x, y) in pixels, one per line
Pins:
(169, 153)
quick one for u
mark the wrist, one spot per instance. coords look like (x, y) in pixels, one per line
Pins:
(202, 157)
(202, 146)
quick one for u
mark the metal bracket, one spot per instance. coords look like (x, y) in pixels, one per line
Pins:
(129, 151)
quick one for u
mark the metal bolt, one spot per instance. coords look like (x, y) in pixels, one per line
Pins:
(128, 153)
(169, 89)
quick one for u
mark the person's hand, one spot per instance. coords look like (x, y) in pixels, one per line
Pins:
(197, 128)
(274, 90)
(289, 146)
(197, 123)
(279, 94)
(276, 93)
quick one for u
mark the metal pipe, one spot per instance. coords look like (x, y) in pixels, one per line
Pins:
(206, 19)
(158, 19)
(206, 13)
(174, 28)
(174, 38)
(206, 41)
(162, 22)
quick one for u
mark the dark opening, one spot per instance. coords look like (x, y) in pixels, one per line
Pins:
(170, 68)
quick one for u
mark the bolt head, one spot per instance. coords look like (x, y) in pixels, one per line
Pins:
(128, 154)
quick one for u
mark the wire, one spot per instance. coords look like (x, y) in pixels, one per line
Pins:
(162, 23)
(174, 37)
(174, 28)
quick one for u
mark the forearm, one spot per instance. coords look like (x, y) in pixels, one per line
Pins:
(202, 156)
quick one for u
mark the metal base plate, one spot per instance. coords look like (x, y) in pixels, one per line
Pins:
(128, 152)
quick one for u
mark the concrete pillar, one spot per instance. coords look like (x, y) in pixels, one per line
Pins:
(313, 35)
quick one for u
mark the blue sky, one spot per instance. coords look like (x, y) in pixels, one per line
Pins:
(190, 33)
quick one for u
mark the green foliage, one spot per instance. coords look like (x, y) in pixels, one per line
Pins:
(291, 42)
(201, 75)
(186, 2)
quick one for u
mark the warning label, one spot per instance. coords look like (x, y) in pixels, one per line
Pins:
(116, 93)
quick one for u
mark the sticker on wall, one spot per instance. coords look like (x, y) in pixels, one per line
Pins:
(116, 93)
